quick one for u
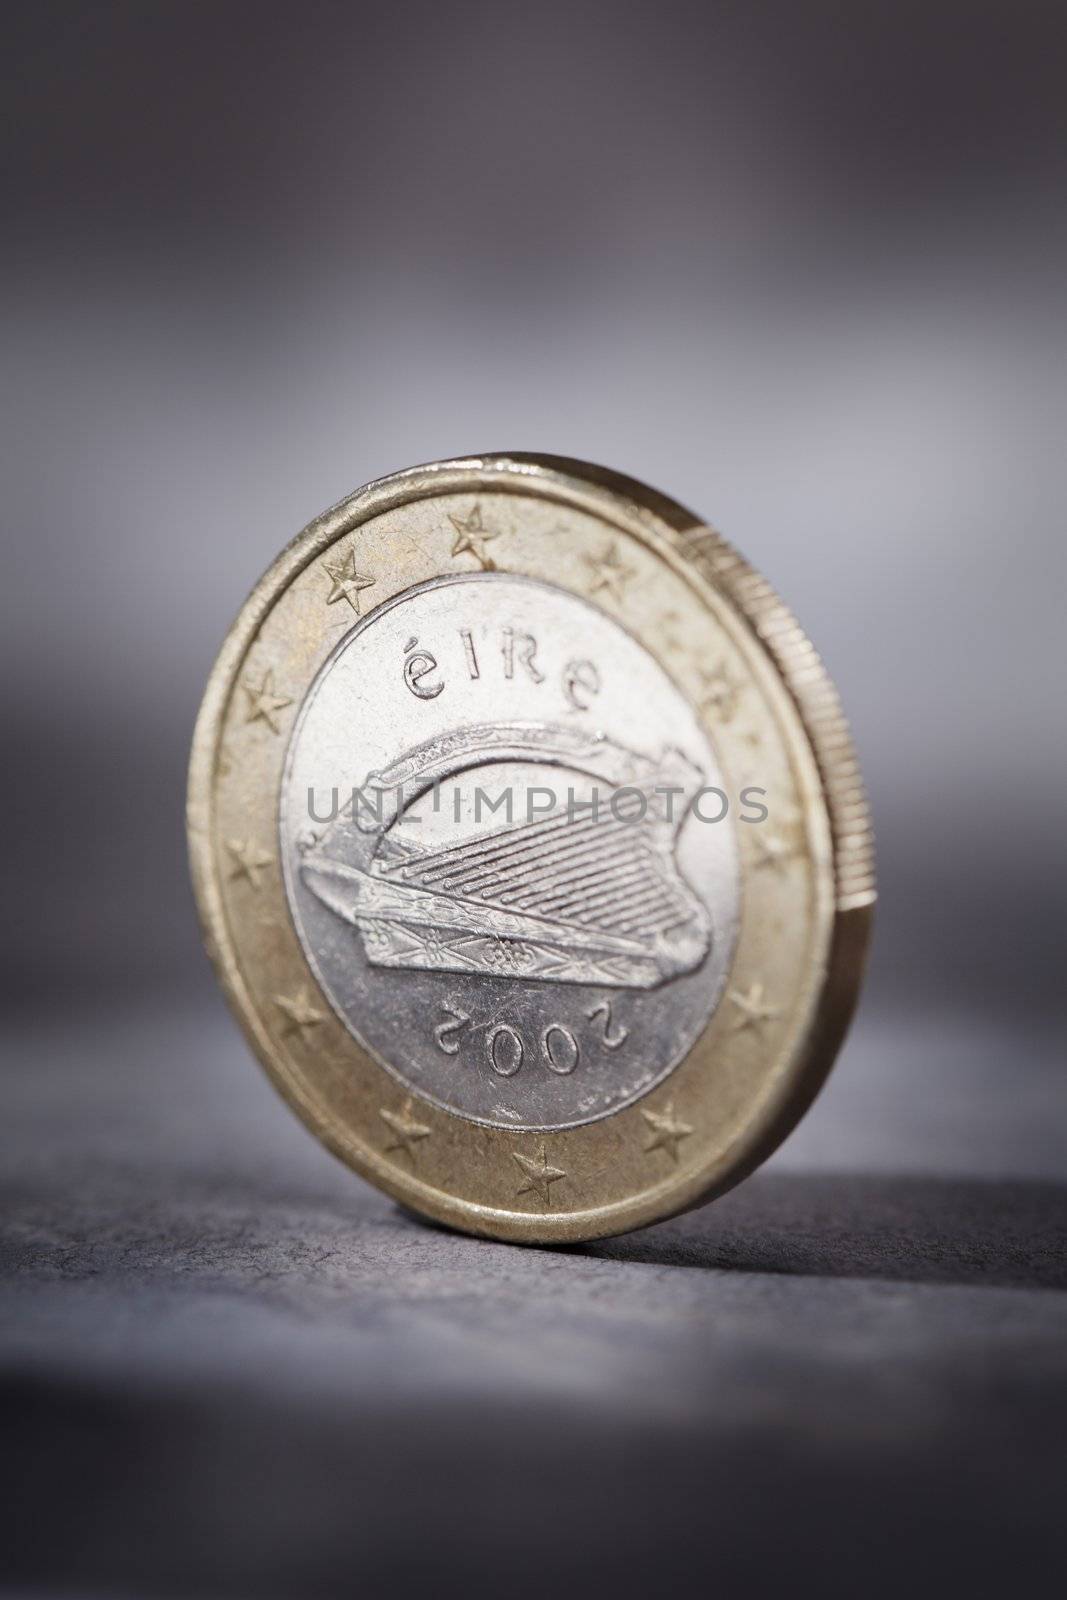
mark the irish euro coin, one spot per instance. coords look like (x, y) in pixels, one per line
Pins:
(530, 847)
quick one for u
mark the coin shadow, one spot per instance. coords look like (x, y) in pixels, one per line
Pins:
(1010, 1234)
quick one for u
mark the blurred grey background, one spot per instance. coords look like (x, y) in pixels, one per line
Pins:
(799, 265)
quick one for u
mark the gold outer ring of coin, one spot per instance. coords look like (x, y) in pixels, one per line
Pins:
(772, 717)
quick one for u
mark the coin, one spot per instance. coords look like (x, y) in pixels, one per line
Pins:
(530, 847)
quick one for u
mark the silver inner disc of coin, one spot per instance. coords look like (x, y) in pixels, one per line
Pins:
(518, 912)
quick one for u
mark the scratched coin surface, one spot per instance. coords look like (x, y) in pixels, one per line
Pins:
(530, 847)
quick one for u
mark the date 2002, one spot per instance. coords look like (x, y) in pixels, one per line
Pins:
(505, 1048)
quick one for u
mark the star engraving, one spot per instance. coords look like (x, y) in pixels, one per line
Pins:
(753, 1012)
(263, 703)
(773, 851)
(406, 1131)
(300, 1015)
(248, 861)
(345, 581)
(472, 537)
(667, 1130)
(610, 572)
(719, 692)
(539, 1175)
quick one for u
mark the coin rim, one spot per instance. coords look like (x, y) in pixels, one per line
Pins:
(704, 554)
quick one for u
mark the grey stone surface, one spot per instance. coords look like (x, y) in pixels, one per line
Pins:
(229, 1367)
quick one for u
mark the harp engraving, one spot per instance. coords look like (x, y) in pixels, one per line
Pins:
(571, 896)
